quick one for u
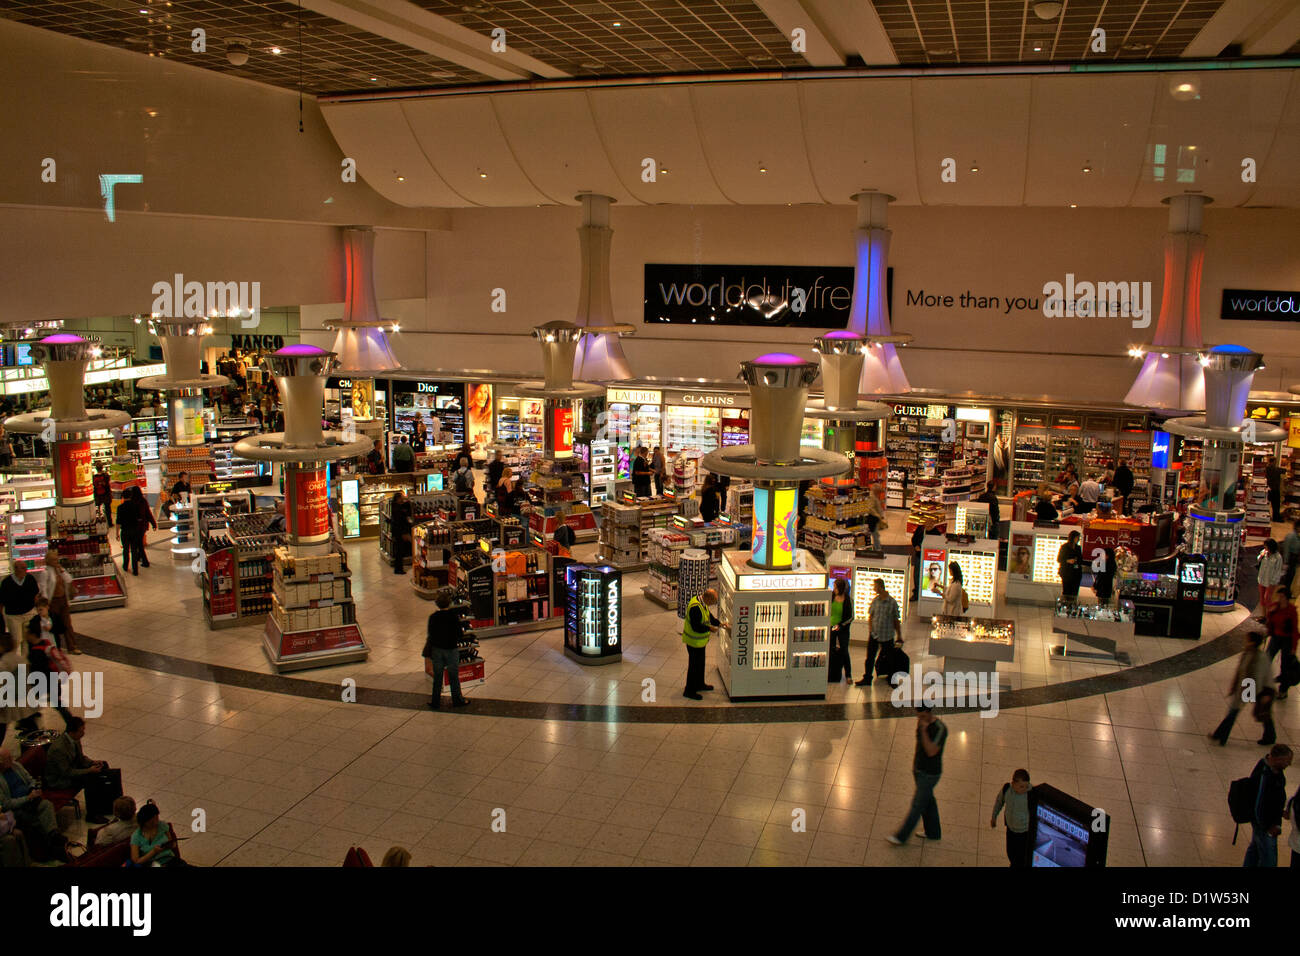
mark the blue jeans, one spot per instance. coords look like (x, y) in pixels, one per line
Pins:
(449, 661)
(1263, 848)
(924, 807)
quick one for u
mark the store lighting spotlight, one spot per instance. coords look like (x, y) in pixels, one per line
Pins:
(762, 169)
(397, 327)
(1074, 205)
(1164, 355)
(1087, 167)
(1184, 89)
(1204, 360)
(137, 320)
(236, 53)
(482, 175)
(974, 167)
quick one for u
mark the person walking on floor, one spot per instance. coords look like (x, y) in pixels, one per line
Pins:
(400, 527)
(494, 470)
(442, 651)
(1069, 561)
(884, 627)
(710, 498)
(462, 479)
(55, 582)
(841, 619)
(875, 515)
(133, 520)
(18, 593)
(102, 487)
(697, 627)
(1013, 803)
(403, 456)
(658, 468)
(1268, 784)
(1273, 479)
(918, 539)
(641, 473)
(1290, 553)
(1248, 681)
(955, 601)
(1283, 637)
(1268, 574)
(927, 768)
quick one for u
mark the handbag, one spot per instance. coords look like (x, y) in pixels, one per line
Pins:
(965, 601)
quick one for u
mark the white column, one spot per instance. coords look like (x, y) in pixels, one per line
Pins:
(882, 372)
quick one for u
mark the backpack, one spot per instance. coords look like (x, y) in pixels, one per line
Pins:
(464, 481)
(1241, 802)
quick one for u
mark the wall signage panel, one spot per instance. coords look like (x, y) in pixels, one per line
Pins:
(1261, 305)
(774, 296)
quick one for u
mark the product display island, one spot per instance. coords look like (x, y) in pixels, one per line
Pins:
(861, 570)
(593, 615)
(312, 617)
(968, 645)
(774, 635)
(1095, 633)
(978, 560)
(1167, 605)
(1033, 574)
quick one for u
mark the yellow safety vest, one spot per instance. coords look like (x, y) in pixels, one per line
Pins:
(691, 637)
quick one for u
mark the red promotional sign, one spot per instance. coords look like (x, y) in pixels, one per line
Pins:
(74, 476)
(308, 498)
(1140, 539)
(563, 431)
(307, 642)
(222, 599)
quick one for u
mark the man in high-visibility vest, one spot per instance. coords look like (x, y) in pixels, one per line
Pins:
(699, 623)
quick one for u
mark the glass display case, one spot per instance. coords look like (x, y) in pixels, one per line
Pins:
(593, 632)
(972, 646)
(688, 426)
(1033, 575)
(520, 422)
(1217, 536)
(978, 560)
(603, 465)
(1094, 632)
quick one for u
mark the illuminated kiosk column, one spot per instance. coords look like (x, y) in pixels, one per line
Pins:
(842, 356)
(774, 602)
(560, 342)
(64, 358)
(360, 343)
(1216, 521)
(303, 448)
(181, 341)
(882, 372)
(1171, 378)
(599, 356)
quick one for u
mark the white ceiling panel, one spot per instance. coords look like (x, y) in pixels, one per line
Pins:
(1278, 174)
(859, 136)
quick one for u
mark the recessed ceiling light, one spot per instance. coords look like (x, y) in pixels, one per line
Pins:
(618, 23)
(151, 113)
(974, 167)
(482, 175)
(664, 171)
(762, 169)
(401, 179)
(1074, 205)
(1087, 167)
(374, 79)
(1193, 148)
(940, 51)
(275, 50)
(1038, 48)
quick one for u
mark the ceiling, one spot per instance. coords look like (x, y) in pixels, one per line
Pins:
(353, 45)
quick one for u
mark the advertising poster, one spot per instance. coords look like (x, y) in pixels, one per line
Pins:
(933, 573)
(563, 423)
(363, 399)
(75, 482)
(785, 522)
(221, 584)
(308, 516)
(1020, 557)
(478, 419)
(759, 549)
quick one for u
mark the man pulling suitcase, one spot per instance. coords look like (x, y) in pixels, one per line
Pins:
(885, 626)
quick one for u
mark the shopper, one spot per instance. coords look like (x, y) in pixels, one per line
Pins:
(884, 627)
(182, 486)
(1044, 510)
(641, 473)
(152, 844)
(1268, 784)
(276, 524)
(875, 515)
(1249, 681)
(697, 627)
(133, 521)
(1103, 579)
(375, 459)
(990, 498)
(403, 456)
(20, 796)
(43, 655)
(1013, 803)
(67, 768)
(710, 498)
(1273, 479)
(56, 586)
(505, 489)
(955, 601)
(23, 717)
(400, 529)
(1089, 495)
(462, 479)
(494, 470)
(566, 538)
(6, 450)
(420, 443)
(444, 634)
(1291, 553)
(102, 487)
(927, 768)
(659, 468)
(918, 540)
(1281, 624)
(1124, 482)
(1069, 562)
(1268, 574)
(18, 593)
(841, 618)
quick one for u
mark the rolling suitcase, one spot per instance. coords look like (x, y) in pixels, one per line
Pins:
(891, 661)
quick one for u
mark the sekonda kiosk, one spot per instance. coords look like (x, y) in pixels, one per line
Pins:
(593, 614)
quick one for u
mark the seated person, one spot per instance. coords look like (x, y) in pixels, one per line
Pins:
(1044, 510)
(152, 843)
(20, 795)
(276, 524)
(121, 826)
(68, 768)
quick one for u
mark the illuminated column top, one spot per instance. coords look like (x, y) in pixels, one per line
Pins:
(64, 358)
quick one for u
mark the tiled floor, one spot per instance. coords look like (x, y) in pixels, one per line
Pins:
(284, 780)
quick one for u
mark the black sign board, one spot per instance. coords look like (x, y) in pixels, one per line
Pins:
(774, 296)
(1261, 305)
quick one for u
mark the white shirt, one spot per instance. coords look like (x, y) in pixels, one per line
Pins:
(1089, 492)
(45, 581)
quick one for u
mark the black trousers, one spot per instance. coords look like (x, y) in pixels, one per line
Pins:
(133, 549)
(874, 647)
(916, 575)
(1222, 731)
(694, 669)
(840, 646)
(1017, 848)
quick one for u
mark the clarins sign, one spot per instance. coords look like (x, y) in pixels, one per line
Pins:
(706, 399)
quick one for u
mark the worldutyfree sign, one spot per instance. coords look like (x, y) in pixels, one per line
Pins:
(1262, 305)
